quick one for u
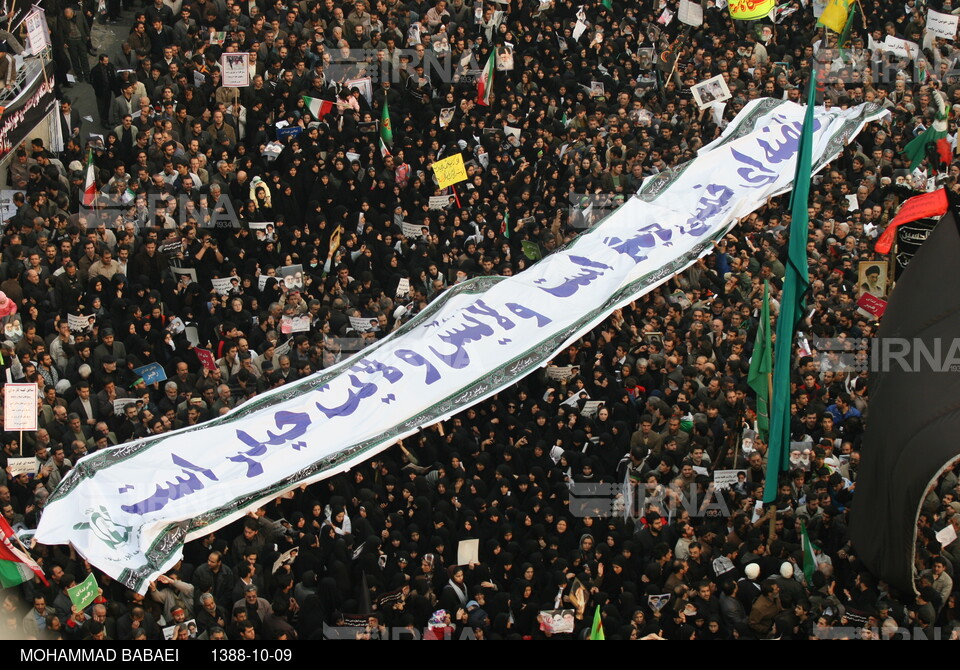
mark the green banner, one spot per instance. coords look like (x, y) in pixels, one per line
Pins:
(83, 594)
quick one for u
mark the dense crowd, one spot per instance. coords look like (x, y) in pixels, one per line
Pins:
(182, 172)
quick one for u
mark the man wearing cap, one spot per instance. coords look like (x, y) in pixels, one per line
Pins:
(108, 346)
(257, 608)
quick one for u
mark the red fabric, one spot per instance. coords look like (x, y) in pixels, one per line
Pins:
(945, 151)
(917, 207)
(7, 552)
(439, 633)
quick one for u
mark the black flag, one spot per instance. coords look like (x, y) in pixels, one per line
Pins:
(911, 437)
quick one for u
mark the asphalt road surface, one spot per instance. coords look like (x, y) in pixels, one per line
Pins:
(106, 39)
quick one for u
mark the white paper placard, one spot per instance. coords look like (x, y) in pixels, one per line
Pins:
(26, 464)
(20, 406)
(235, 70)
(690, 13)
(468, 551)
(942, 25)
(900, 47)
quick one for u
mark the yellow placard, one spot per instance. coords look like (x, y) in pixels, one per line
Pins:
(450, 171)
(747, 10)
(835, 16)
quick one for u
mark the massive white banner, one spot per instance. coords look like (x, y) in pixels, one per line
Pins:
(129, 509)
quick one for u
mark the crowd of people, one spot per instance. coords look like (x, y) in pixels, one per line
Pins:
(186, 183)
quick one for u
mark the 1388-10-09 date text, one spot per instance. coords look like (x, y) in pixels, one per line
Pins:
(228, 654)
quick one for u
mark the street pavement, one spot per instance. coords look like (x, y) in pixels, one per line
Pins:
(106, 39)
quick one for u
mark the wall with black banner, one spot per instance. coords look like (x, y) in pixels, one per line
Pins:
(27, 115)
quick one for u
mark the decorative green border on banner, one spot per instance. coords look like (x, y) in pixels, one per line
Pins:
(162, 551)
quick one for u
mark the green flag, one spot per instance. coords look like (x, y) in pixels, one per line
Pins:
(596, 630)
(84, 593)
(795, 284)
(386, 129)
(608, 4)
(761, 365)
(810, 561)
(531, 250)
(845, 35)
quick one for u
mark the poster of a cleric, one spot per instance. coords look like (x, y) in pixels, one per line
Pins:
(235, 69)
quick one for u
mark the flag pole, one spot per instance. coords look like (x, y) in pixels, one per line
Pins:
(863, 15)
(770, 392)
(676, 59)
(773, 519)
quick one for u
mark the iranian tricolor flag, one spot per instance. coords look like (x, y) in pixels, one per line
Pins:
(318, 108)
(384, 151)
(90, 186)
(485, 85)
(15, 566)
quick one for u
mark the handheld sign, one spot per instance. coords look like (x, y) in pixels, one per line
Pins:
(206, 358)
(20, 406)
(450, 171)
(235, 68)
(151, 373)
(83, 594)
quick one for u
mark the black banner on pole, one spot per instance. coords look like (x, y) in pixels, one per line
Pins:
(909, 238)
(26, 111)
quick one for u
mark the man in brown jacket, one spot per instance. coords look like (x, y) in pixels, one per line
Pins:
(765, 609)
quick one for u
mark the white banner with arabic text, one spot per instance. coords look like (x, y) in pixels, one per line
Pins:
(476, 339)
